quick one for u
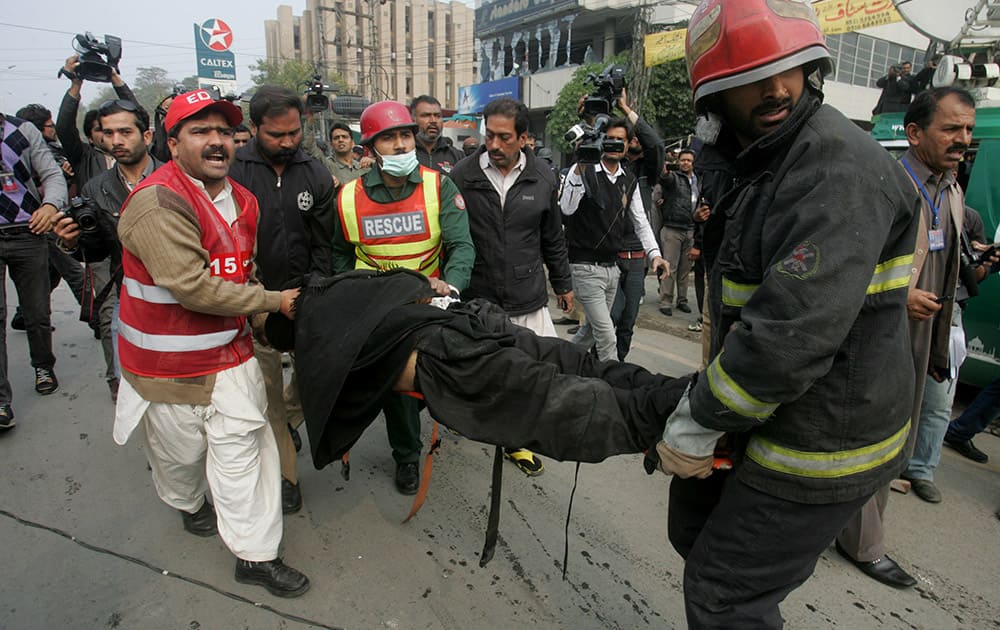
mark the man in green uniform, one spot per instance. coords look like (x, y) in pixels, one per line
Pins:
(401, 214)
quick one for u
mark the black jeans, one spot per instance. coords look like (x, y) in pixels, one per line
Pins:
(625, 310)
(26, 255)
(745, 550)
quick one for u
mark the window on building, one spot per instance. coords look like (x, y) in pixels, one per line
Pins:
(406, 19)
(430, 25)
(409, 87)
(430, 56)
(861, 59)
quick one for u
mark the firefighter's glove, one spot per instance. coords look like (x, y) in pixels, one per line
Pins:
(687, 448)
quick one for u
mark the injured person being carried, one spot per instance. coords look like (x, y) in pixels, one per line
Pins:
(360, 335)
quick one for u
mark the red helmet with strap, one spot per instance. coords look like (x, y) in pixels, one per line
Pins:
(384, 116)
(731, 43)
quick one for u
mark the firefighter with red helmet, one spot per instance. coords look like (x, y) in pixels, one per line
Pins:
(809, 387)
(401, 214)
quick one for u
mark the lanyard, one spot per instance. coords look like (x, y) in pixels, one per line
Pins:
(923, 191)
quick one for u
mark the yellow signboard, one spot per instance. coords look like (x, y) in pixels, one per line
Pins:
(835, 16)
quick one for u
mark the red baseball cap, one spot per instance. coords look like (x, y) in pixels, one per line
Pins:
(190, 103)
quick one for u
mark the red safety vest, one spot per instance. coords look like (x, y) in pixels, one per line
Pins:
(158, 337)
(403, 233)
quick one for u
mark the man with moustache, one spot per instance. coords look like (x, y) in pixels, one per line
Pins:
(125, 127)
(939, 130)
(433, 150)
(296, 222)
(190, 377)
(813, 248)
(516, 226)
(402, 215)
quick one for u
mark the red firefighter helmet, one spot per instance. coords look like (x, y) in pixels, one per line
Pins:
(384, 116)
(731, 43)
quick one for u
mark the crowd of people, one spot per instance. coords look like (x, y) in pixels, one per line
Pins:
(402, 272)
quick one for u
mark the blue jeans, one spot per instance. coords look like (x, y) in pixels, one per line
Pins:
(26, 255)
(594, 288)
(625, 310)
(977, 416)
(935, 412)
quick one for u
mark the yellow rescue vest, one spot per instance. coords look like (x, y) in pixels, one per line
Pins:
(402, 233)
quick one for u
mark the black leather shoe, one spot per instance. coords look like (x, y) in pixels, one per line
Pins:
(684, 308)
(565, 321)
(296, 438)
(17, 321)
(291, 497)
(572, 330)
(274, 575)
(884, 570)
(968, 449)
(666, 310)
(407, 477)
(925, 489)
(201, 523)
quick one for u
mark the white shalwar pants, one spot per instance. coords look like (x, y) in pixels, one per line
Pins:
(228, 447)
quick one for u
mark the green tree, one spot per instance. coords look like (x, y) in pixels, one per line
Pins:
(290, 73)
(668, 102)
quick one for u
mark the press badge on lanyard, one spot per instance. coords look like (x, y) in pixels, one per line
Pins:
(935, 235)
(229, 265)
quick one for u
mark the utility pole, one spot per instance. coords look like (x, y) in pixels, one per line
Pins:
(639, 85)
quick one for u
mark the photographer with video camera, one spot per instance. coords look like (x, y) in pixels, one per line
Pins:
(601, 203)
(89, 229)
(898, 87)
(93, 62)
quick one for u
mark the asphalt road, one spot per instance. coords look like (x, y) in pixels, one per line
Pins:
(87, 544)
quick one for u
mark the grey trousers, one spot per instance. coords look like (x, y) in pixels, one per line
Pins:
(675, 245)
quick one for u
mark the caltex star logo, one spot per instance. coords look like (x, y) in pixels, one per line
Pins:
(217, 35)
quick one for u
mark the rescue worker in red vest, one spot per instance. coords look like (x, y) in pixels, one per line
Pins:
(811, 380)
(190, 378)
(402, 214)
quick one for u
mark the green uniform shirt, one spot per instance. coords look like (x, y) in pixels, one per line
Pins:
(458, 255)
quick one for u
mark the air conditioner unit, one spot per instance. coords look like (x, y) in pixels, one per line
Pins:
(392, 56)
(447, 61)
(409, 56)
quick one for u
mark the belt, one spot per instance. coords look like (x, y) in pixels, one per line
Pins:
(14, 230)
(631, 255)
(599, 263)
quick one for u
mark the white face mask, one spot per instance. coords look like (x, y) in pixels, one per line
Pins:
(399, 165)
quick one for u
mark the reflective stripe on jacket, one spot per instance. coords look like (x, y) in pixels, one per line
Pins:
(812, 364)
(160, 338)
(404, 233)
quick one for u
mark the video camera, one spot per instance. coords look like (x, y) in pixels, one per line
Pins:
(608, 86)
(98, 61)
(84, 213)
(316, 100)
(589, 137)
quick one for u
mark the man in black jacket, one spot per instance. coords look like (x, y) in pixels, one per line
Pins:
(674, 202)
(89, 159)
(513, 206)
(125, 127)
(297, 215)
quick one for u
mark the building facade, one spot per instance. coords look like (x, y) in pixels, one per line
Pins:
(383, 49)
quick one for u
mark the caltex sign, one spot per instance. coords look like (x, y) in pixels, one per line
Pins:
(216, 62)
